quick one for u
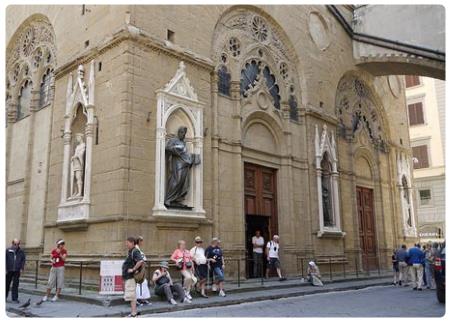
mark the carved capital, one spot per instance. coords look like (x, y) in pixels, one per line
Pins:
(67, 137)
(89, 130)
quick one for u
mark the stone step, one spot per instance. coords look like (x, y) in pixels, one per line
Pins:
(93, 297)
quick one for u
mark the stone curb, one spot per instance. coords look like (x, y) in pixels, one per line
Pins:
(114, 301)
(227, 302)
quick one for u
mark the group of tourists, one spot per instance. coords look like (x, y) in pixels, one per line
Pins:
(414, 266)
(194, 265)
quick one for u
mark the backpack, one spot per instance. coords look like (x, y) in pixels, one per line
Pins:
(139, 275)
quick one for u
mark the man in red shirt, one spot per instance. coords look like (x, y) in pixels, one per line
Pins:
(56, 276)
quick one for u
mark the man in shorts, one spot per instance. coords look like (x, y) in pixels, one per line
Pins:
(56, 276)
(132, 263)
(273, 259)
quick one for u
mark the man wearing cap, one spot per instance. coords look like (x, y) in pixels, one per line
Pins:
(56, 276)
(272, 249)
(164, 285)
(201, 268)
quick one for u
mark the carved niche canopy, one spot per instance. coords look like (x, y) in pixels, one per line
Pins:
(178, 105)
(356, 111)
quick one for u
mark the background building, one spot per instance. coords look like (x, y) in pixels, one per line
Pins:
(426, 110)
(292, 135)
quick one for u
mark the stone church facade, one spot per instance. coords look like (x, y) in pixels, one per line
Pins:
(291, 136)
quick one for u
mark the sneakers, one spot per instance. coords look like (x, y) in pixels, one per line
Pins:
(214, 288)
(222, 293)
(132, 315)
(188, 295)
(204, 295)
(173, 302)
(282, 279)
(187, 300)
(55, 298)
(45, 298)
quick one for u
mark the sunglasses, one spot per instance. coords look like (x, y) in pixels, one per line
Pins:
(199, 242)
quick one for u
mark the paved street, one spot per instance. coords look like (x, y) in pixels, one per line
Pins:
(380, 301)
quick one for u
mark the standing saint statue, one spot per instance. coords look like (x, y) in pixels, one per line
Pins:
(77, 167)
(179, 164)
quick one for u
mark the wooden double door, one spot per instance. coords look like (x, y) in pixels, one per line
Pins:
(367, 233)
(260, 206)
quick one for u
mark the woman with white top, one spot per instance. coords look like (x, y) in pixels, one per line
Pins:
(142, 290)
(200, 264)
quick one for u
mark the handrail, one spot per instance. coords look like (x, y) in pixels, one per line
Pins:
(328, 260)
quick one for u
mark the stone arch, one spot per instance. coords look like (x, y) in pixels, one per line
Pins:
(365, 167)
(358, 105)
(32, 47)
(278, 52)
(269, 124)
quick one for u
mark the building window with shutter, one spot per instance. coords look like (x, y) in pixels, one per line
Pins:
(420, 156)
(415, 112)
(425, 197)
(412, 80)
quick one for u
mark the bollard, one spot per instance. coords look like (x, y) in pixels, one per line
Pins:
(81, 278)
(36, 273)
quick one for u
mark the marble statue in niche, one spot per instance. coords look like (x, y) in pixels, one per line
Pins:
(326, 193)
(179, 166)
(77, 167)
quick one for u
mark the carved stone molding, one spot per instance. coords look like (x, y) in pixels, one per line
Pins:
(79, 99)
(325, 146)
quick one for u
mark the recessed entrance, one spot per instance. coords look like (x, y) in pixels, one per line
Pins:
(367, 234)
(260, 207)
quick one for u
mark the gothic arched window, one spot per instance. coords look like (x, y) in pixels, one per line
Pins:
(23, 107)
(272, 86)
(293, 108)
(407, 201)
(45, 89)
(248, 76)
(224, 81)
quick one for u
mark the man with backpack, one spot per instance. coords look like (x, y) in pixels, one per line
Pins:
(273, 259)
(132, 266)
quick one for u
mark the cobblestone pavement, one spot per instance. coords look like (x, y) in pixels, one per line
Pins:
(380, 301)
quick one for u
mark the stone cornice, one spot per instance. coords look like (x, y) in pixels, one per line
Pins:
(130, 32)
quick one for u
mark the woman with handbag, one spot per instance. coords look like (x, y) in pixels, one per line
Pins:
(142, 290)
(183, 261)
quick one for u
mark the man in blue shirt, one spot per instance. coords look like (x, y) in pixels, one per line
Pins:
(417, 257)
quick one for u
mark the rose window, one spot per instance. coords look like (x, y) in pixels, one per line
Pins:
(259, 28)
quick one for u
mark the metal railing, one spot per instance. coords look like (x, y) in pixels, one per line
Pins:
(345, 266)
(331, 263)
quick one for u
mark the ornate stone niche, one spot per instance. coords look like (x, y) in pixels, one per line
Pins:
(178, 106)
(327, 184)
(406, 198)
(78, 139)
